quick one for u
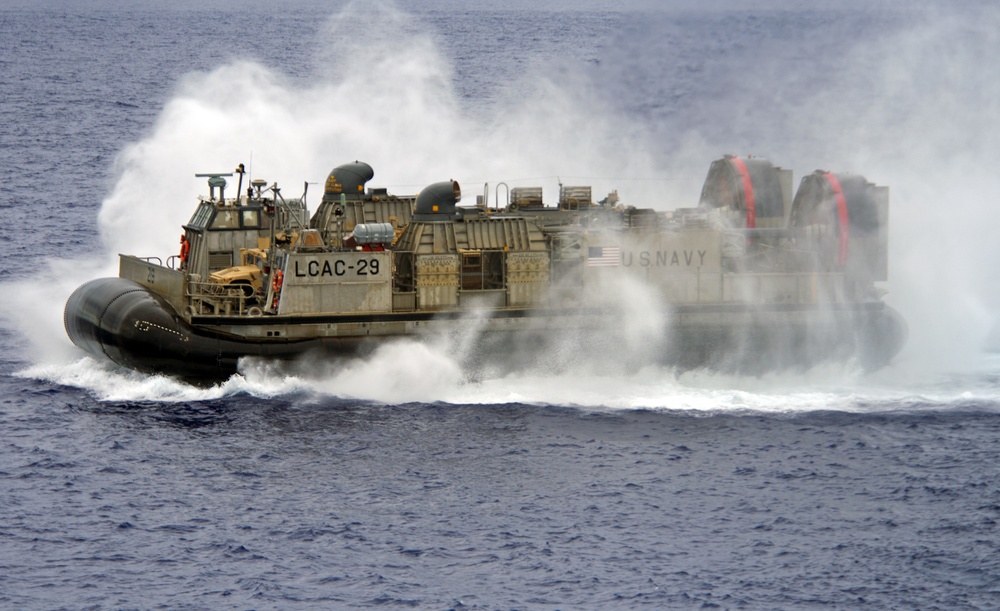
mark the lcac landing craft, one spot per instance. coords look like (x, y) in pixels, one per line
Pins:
(745, 281)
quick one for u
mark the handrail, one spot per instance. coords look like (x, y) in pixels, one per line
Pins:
(497, 195)
(218, 297)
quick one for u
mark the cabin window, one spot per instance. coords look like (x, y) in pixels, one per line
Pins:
(225, 219)
(251, 219)
(202, 215)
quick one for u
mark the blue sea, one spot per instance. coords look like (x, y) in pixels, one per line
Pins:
(402, 480)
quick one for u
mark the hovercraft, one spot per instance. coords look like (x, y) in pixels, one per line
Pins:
(749, 279)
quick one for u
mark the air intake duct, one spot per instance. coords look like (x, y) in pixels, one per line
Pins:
(348, 179)
(437, 202)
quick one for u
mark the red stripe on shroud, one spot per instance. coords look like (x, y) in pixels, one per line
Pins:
(842, 216)
(748, 196)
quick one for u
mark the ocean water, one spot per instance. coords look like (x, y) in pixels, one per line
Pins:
(400, 480)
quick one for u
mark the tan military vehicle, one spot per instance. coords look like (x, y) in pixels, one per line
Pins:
(248, 275)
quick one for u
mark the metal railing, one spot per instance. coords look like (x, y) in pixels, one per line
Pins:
(214, 299)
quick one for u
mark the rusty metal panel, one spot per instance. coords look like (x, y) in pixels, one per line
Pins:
(437, 279)
(527, 277)
(527, 267)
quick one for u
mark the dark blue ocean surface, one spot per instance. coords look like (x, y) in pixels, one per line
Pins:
(269, 503)
(402, 481)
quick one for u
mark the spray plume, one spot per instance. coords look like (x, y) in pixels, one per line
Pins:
(896, 94)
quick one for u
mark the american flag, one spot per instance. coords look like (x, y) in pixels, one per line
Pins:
(603, 256)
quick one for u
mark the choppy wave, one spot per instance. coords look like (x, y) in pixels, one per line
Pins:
(412, 372)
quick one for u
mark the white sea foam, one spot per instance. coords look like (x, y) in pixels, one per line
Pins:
(409, 371)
